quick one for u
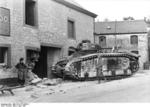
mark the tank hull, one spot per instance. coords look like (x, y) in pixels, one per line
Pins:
(114, 66)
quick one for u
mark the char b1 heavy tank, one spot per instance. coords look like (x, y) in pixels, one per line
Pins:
(83, 64)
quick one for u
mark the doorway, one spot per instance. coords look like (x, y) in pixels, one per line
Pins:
(102, 41)
(41, 65)
(47, 56)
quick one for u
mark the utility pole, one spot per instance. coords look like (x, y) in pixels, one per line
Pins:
(147, 21)
(115, 33)
(99, 68)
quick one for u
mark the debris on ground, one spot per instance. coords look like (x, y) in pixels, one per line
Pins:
(41, 86)
(36, 81)
(61, 90)
(29, 89)
(32, 78)
(50, 93)
(34, 95)
(50, 82)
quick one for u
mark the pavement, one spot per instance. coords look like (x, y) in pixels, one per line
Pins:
(133, 89)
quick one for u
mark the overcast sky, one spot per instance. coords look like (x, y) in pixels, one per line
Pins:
(117, 9)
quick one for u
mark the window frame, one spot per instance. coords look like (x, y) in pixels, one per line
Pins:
(134, 41)
(74, 28)
(4, 55)
(36, 15)
(100, 37)
(8, 57)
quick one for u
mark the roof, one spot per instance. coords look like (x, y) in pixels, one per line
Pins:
(72, 4)
(120, 27)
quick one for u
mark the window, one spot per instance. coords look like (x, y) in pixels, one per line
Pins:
(30, 12)
(71, 29)
(3, 55)
(102, 41)
(134, 40)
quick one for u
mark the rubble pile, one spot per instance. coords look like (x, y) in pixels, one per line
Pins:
(42, 87)
(44, 83)
(33, 79)
(49, 82)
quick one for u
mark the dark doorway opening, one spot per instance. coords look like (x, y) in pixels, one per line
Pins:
(47, 57)
(41, 66)
(102, 41)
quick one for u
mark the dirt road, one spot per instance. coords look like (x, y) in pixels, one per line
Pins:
(133, 89)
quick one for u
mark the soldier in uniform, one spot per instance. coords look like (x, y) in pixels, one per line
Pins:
(22, 69)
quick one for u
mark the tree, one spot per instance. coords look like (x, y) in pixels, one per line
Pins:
(106, 20)
(129, 18)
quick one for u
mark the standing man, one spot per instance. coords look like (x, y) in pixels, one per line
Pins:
(29, 75)
(99, 68)
(22, 68)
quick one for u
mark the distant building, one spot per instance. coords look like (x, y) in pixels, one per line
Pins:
(126, 35)
(47, 27)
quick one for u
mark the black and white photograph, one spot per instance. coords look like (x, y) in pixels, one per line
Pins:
(74, 51)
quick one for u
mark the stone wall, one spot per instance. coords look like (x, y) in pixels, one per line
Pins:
(51, 30)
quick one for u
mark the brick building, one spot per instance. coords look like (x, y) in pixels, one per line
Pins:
(126, 35)
(47, 27)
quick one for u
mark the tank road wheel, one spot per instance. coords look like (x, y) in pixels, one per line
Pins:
(134, 67)
(114, 73)
(77, 76)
